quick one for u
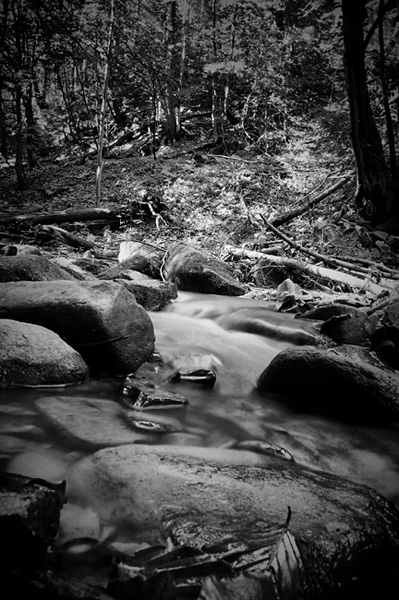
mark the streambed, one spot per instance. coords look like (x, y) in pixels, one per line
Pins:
(212, 332)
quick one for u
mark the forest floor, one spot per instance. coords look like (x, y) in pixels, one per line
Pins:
(211, 201)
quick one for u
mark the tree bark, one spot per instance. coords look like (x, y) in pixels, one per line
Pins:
(374, 197)
(104, 105)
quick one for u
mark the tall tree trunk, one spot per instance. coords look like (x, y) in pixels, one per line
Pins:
(374, 197)
(387, 108)
(104, 104)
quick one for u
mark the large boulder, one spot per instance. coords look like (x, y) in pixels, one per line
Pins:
(33, 355)
(30, 268)
(328, 382)
(101, 320)
(343, 537)
(195, 271)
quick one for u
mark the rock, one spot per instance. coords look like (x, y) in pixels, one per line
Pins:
(70, 265)
(327, 382)
(195, 271)
(355, 328)
(29, 520)
(140, 394)
(135, 250)
(33, 355)
(150, 293)
(20, 249)
(30, 268)
(135, 263)
(346, 536)
(90, 423)
(326, 311)
(101, 320)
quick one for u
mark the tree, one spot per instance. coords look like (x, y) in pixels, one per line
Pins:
(376, 198)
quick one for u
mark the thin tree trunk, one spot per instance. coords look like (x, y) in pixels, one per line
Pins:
(104, 105)
(19, 150)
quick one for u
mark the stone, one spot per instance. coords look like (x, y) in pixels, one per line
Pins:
(326, 381)
(355, 328)
(31, 268)
(152, 294)
(346, 535)
(35, 356)
(196, 271)
(153, 255)
(29, 520)
(99, 319)
(90, 423)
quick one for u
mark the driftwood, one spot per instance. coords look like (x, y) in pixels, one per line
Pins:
(288, 216)
(300, 267)
(86, 214)
(334, 262)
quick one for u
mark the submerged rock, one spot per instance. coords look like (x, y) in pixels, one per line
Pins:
(32, 355)
(345, 535)
(194, 270)
(89, 423)
(327, 381)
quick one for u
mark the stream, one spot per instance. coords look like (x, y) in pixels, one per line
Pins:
(236, 338)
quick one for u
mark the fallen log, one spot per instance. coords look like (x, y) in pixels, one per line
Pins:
(85, 214)
(300, 267)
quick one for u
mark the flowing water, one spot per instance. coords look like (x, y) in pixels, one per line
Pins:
(236, 338)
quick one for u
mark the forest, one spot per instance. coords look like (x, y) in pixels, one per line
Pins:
(91, 80)
(199, 323)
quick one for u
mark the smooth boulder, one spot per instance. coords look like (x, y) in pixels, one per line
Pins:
(35, 356)
(31, 268)
(193, 270)
(213, 498)
(326, 381)
(101, 320)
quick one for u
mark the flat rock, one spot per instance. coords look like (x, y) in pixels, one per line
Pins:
(195, 271)
(327, 381)
(33, 355)
(90, 423)
(101, 320)
(30, 268)
(202, 497)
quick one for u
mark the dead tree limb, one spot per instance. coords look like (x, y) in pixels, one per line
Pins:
(303, 209)
(334, 262)
(87, 214)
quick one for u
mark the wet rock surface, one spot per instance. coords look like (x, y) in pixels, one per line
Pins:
(200, 497)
